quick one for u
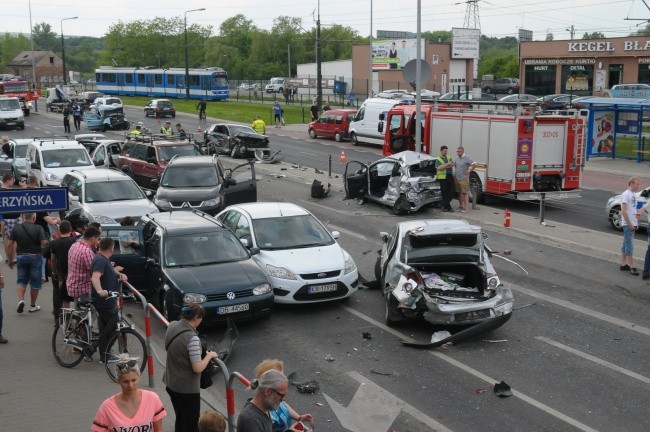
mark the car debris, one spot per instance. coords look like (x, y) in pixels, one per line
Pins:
(318, 190)
(480, 391)
(495, 340)
(367, 335)
(266, 157)
(329, 358)
(224, 346)
(380, 373)
(305, 387)
(440, 335)
(502, 389)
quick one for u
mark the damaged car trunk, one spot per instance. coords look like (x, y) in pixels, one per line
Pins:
(440, 270)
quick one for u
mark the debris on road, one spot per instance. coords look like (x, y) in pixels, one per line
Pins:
(479, 391)
(367, 335)
(440, 335)
(329, 358)
(305, 387)
(380, 373)
(502, 389)
(495, 340)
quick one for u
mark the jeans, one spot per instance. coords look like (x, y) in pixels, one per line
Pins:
(628, 246)
(1, 316)
(646, 263)
(29, 269)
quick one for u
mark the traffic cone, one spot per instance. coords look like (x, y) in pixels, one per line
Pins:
(342, 158)
(199, 129)
(506, 218)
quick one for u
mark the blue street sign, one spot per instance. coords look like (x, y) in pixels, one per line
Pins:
(33, 200)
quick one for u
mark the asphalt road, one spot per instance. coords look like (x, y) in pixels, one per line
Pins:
(575, 352)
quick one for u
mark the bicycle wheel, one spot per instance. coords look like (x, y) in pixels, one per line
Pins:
(125, 341)
(68, 343)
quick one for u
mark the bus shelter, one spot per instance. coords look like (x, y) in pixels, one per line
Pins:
(615, 128)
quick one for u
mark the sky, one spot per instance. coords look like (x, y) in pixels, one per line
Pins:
(498, 18)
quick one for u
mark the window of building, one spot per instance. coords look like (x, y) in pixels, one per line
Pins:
(540, 80)
(644, 73)
(577, 80)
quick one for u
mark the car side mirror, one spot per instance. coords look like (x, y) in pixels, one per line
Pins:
(74, 198)
(34, 165)
(151, 160)
(98, 163)
(155, 183)
(336, 234)
(148, 193)
(254, 251)
(384, 236)
(485, 235)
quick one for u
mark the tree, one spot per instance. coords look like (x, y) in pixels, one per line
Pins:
(643, 32)
(594, 35)
(10, 46)
(45, 39)
(549, 37)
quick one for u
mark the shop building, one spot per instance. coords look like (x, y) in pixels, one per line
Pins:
(583, 67)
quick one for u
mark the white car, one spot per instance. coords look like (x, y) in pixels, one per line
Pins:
(613, 209)
(302, 260)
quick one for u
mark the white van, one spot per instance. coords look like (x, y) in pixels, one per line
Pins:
(11, 113)
(50, 159)
(363, 129)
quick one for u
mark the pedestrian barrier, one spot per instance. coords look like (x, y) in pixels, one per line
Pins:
(229, 377)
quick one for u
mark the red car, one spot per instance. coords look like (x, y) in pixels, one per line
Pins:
(332, 123)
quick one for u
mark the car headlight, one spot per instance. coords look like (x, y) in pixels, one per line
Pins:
(280, 272)
(194, 298)
(105, 220)
(349, 265)
(51, 176)
(211, 202)
(161, 203)
(264, 288)
(493, 282)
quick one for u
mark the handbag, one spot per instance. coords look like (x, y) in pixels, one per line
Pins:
(206, 378)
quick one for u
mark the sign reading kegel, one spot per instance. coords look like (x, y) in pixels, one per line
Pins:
(33, 200)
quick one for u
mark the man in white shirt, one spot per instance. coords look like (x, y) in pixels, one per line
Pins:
(630, 224)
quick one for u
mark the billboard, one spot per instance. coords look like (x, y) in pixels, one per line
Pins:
(465, 43)
(393, 54)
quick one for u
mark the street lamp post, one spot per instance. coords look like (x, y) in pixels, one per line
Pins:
(65, 74)
(187, 56)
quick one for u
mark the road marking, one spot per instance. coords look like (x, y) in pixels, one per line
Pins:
(310, 154)
(583, 310)
(596, 360)
(537, 404)
(374, 409)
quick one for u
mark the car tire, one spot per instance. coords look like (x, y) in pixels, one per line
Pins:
(510, 90)
(474, 179)
(390, 311)
(353, 139)
(338, 137)
(378, 271)
(312, 134)
(487, 90)
(615, 218)
(399, 208)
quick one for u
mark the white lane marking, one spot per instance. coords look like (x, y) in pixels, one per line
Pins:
(375, 409)
(583, 310)
(310, 154)
(594, 359)
(537, 404)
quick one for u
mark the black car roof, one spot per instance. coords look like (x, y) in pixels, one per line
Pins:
(185, 222)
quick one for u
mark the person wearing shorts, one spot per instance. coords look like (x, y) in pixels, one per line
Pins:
(630, 225)
(464, 165)
(29, 239)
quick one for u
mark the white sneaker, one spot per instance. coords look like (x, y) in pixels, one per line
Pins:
(34, 308)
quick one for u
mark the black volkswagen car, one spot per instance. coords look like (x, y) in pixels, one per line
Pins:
(189, 257)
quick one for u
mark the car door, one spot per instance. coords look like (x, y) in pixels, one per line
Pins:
(356, 179)
(129, 252)
(99, 156)
(245, 190)
(75, 191)
(6, 163)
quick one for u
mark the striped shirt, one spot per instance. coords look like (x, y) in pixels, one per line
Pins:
(80, 258)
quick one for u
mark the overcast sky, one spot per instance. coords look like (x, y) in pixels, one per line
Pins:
(498, 18)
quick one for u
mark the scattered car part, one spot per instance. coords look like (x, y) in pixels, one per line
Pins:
(502, 389)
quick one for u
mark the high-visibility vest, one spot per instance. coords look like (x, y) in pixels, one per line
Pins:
(166, 131)
(442, 172)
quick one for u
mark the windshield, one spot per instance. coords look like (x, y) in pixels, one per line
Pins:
(90, 146)
(235, 130)
(183, 177)
(277, 80)
(167, 152)
(111, 101)
(13, 87)
(435, 248)
(121, 190)
(20, 151)
(203, 249)
(65, 158)
(9, 104)
(292, 232)
(219, 82)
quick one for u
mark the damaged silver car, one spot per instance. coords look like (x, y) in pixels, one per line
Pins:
(406, 181)
(440, 270)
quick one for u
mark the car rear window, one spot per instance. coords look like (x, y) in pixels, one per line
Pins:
(437, 240)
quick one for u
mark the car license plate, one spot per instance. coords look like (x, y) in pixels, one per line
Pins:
(467, 316)
(233, 309)
(317, 289)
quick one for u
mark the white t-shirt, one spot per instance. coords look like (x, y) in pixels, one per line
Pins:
(628, 197)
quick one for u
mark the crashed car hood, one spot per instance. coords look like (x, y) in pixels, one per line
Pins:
(217, 278)
(252, 139)
(308, 260)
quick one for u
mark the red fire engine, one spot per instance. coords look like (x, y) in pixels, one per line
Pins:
(518, 153)
(20, 89)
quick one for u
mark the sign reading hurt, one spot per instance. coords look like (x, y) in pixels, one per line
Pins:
(33, 200)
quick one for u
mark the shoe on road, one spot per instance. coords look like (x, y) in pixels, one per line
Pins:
(3, 340)
(34, 308)
(634, 271)
(21, 306)
(625, 267)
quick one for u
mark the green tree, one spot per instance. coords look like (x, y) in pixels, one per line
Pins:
(10, 46)
(643, 32)
(549, 37)
(594, 35)
(44, 38)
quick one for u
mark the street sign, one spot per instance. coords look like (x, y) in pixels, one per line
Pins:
(465, 43)
(33, 200)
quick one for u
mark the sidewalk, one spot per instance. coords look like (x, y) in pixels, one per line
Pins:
(36, 394)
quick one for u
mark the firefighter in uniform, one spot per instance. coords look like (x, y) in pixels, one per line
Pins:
(444, 166)
(167, 129)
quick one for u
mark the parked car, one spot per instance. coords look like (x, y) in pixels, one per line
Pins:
(190, 257)
(160, 108)
(613, 209)
(395, 94)
(440, 270)
(406, 181)
(50, 159)
(200, 182)
(233, 139)
(522, 97)
(332, 124)
(106, 195)
(554, 102)
(578, 103)
(145, 159)
(426, 94)
(90, 136)
(103, 152)
(111, 101)
(503, 85)
(11, 113)
(300, 256)
(14, 162)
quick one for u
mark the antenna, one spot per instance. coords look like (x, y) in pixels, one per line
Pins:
(472, 19)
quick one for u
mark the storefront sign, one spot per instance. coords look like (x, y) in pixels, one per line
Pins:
(568, 61)
(590, 46)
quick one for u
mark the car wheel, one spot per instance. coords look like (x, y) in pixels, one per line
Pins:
(174, 115)
(378, 271)
(478, 187)
(400, 207)
(338, 137)
(312, 134)
(390, 311)
(353, 139)
(487, 90)
(615, 218)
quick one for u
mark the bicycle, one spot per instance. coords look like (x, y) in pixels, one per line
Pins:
(73, 338)
(202, 115)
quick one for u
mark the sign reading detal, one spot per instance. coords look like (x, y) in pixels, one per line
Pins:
(33, 200)
(465, 43)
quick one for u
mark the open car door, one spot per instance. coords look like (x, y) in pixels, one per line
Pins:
(356, 179)
(129, 252)
(245, 188)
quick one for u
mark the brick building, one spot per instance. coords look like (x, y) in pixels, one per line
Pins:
(49, 67)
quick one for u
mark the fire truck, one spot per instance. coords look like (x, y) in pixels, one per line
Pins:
(20, 89)
(520, 154)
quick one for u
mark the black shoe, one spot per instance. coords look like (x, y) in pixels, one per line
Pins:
(634, 271)
(450, 210)
(645, 277)
(21, 306)
(625, 267)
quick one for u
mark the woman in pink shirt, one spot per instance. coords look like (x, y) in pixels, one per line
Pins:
(132, 407)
